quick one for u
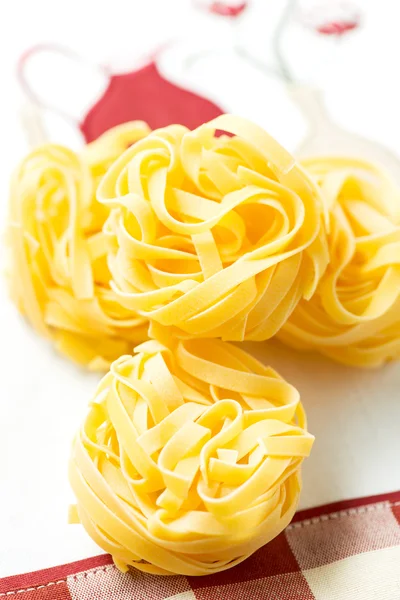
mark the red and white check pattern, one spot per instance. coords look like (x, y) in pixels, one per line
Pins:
(343, 551)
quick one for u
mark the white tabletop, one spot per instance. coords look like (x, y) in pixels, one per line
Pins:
(354, 414)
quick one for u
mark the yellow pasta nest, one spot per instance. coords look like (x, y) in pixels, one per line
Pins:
(59, 277)
(354, 316)
(189, 459)
(213, 236)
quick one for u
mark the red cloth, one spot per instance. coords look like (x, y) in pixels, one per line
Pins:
(145, 95)
(347, 550)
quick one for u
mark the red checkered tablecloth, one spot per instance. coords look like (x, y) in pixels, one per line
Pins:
(344, 551)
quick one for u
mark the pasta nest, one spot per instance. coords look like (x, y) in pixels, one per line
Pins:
(213, 236)
(189, 458)
(354, 316)
(58, 273)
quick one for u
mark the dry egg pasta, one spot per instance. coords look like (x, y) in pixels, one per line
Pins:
(58, 274)
(354, 316)
(189, 458)
(213, 236)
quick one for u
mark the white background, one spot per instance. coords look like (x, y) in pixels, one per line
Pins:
(355, 415)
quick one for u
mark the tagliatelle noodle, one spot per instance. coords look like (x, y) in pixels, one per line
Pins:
(354, 316)
(189, 458)
(213, 236)
(59, 277)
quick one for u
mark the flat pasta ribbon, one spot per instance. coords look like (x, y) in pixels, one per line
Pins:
(213, 236)
(354, 316)
(189, 458)
(59, 277)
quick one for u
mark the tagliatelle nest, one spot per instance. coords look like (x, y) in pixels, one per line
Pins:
(354, 316)
(189, 459)
(213, 236)
(59, 277)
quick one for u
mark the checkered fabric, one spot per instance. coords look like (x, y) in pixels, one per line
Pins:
(343, 551)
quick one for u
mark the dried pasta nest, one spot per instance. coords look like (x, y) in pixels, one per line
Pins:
(189, 458)
(58, 274)
(213, 236)
(354, 316)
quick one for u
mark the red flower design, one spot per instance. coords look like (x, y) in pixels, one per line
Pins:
(227, 10)
(337, 27)
(332, 18)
